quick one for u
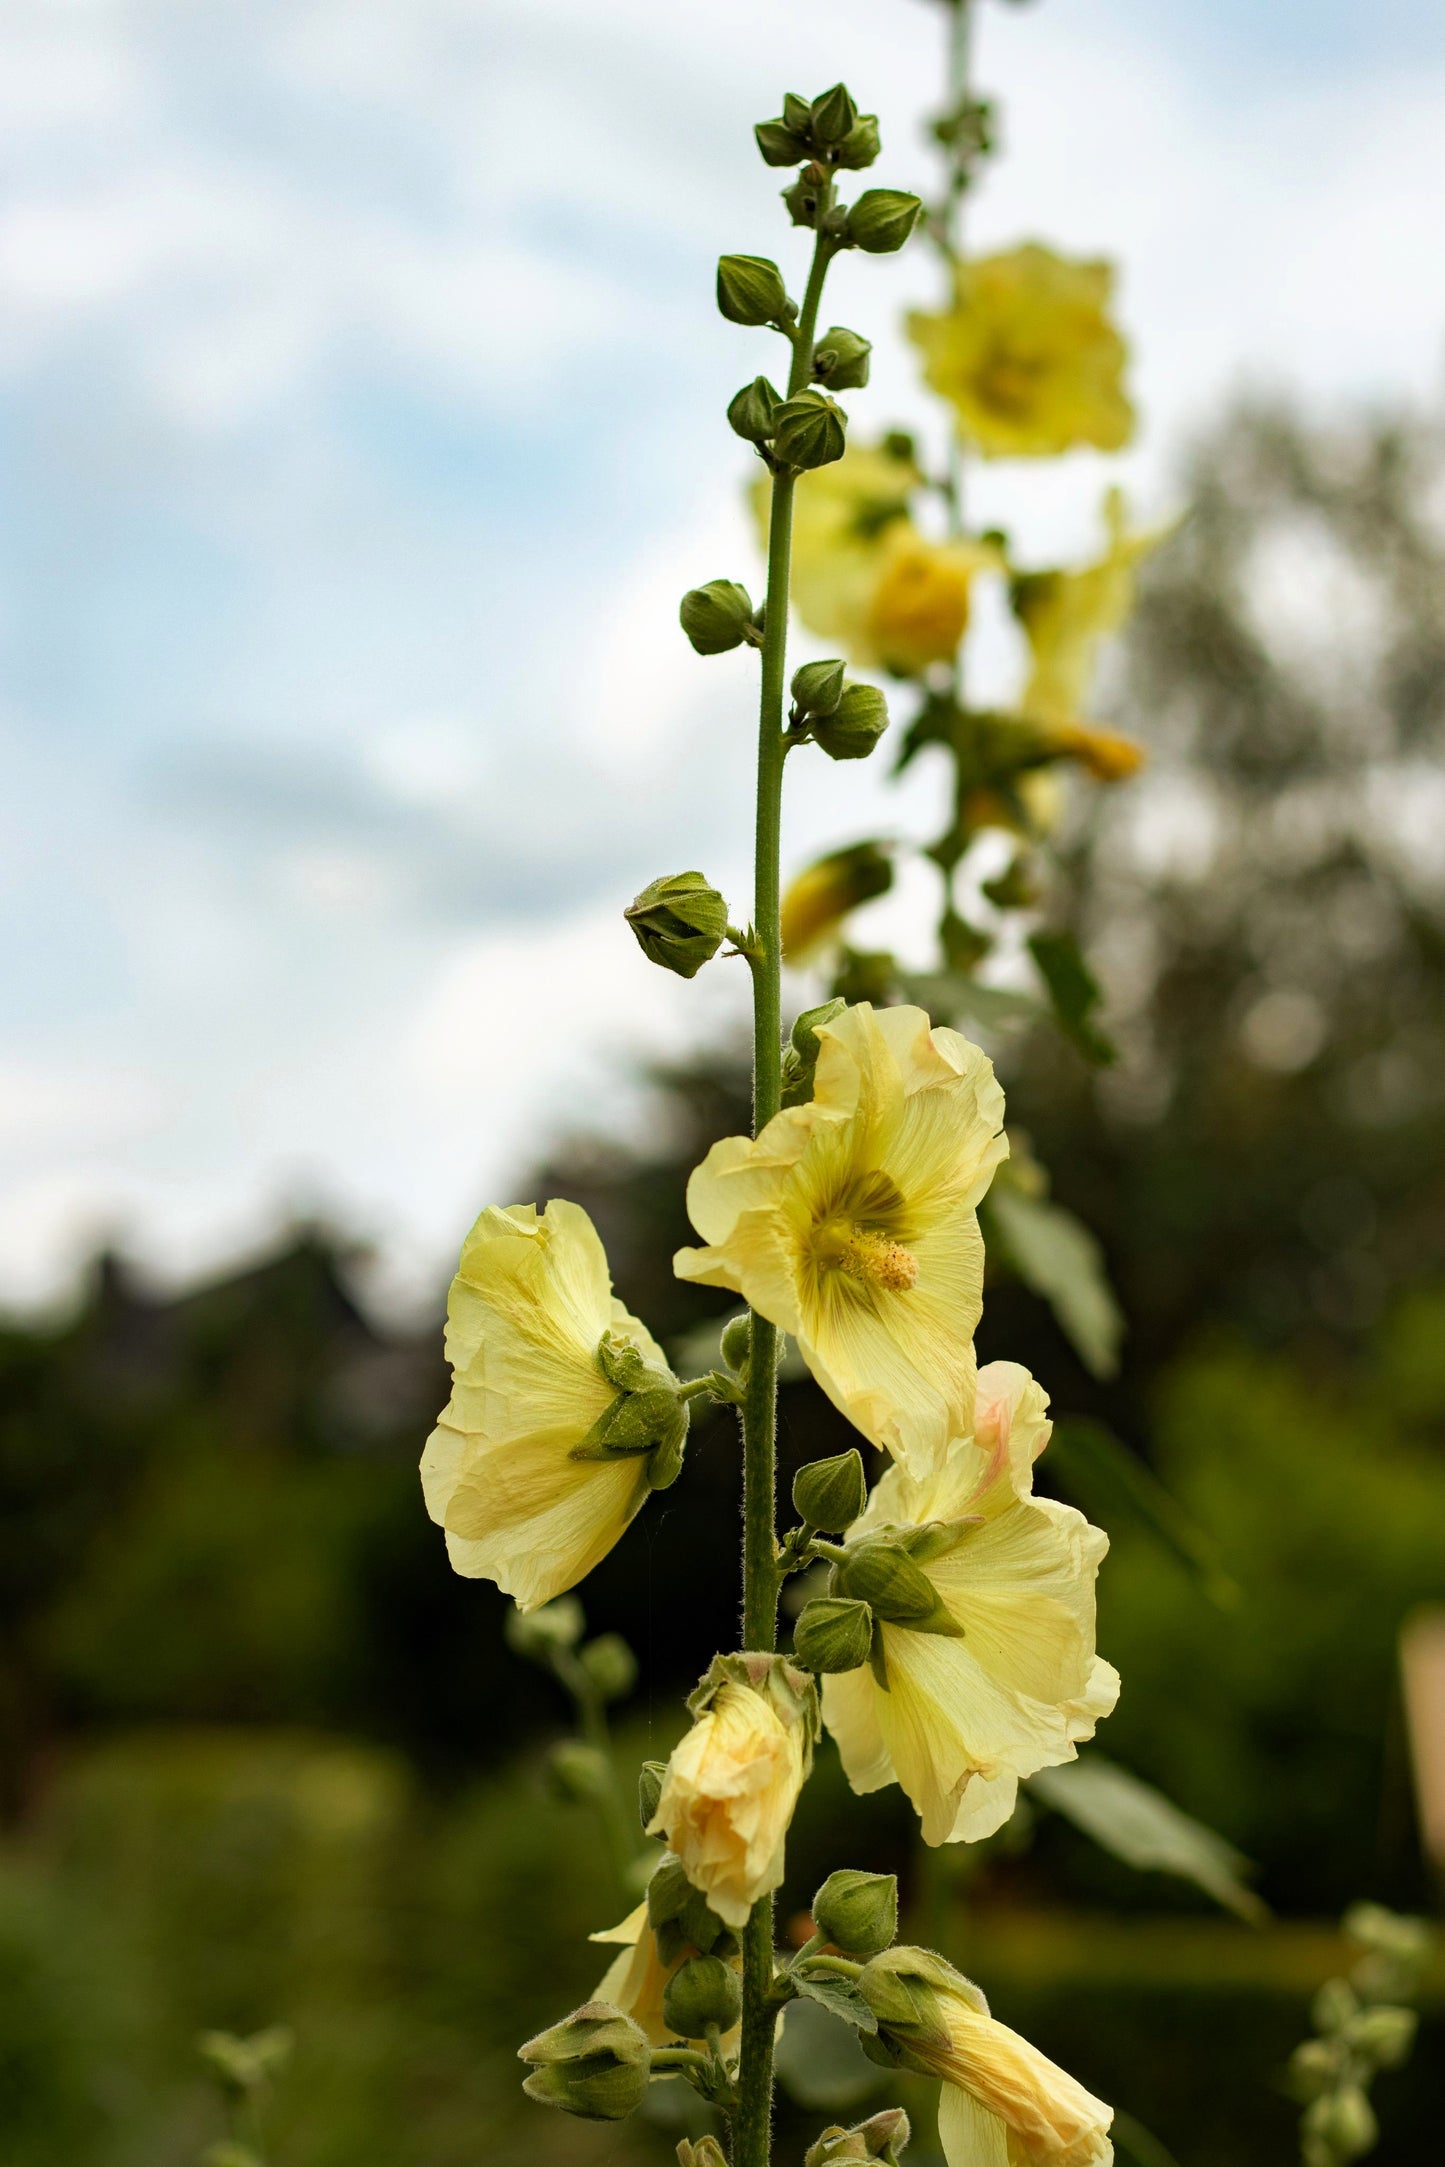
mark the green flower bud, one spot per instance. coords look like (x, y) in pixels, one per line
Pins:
(594, 2064)
(883, 2136)
(700, 1992)
(840, 359)
(717, 616)
(833, 1633)
(753, 411)
(833, 118)
(831, 1493)
(750, 289)
(1334, 2005)
(882, 1574)
(882, 220)
(1314, 2067)
(540, 1634)
(855, 726)
(679, 921)
(810, 431)
(610, 1664)
(737, 1342)
(578, 1773)
(649, 1789)
(800, 1062)
(818, 687)
(858, 1912)
(1343, 2121)
(246, 2065)
(700, 2152)
(779, 144)
(669, 1891)
(1383, 2034)
(860, 146)
(805, 196)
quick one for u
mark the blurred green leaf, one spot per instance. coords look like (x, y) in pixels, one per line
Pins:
(1074, 993)
(1139, 1825)
(839, 1996)
(1054, 1253)
(951, 997)
(1105, 1478)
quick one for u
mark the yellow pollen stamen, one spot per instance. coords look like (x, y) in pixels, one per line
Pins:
(863, 1254)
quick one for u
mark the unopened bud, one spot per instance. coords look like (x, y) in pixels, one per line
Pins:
(882, 2137)
(649, 1789)
(800, 1065)
(701, 1992)
(540, 1634)
(797, 113)
(578, 1773)
(716, 617)
(779, 145)
(855, 726)
(857, 1911)
(882, 220)
(810, 431)
(840, 359)
(752, 411)
(818, 687)
(861, 145)
(831, 1493)
(679, 921)
(594, 2064)
(833, 1633)
(1344, 2121)
(1314, 2066)
(820, 898)
(834, 117)
(700, 2152)
(1383, 2034)
(610, 1664)
(883, 1575)
(737, 1342)
(750, 290)
(1334, 2005)
(805, 196)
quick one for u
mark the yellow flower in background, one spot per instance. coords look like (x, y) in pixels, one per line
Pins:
(850, 1222)
(1003, 2103)
(917, 608)
(1027, 355)
(815, 904)
(731, 1785)
(531, 1319)
(1067, 615)
(636, 1979)
(963, 1717)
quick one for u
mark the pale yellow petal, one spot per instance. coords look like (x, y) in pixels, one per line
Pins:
(851, 1714)
(969, 2135)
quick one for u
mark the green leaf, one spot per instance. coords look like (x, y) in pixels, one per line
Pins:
(1139, 1825)
(838, 1995)
(819, 2061)
(1106, 1478)
(1074, 992)
(1055, 1254)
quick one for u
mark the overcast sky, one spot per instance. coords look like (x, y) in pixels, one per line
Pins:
(361, 421)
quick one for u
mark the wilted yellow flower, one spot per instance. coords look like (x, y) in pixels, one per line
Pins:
(1003, 2103)
(636, 1979)
(962, 1718)
(815, 904)
(1028, 356)
(850, 1222)
(529, 1495)
(732, 1783)
(1065, 616)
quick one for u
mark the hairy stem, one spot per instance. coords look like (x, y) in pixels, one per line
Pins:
(752, 2127)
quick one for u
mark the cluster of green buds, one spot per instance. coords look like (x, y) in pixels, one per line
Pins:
(830, 710)
(882, 2137)
(596, 2063)
(1362, 2026)
(877, 1579)
(647, 1420)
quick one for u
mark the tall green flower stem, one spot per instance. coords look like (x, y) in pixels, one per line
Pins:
(753, 2121)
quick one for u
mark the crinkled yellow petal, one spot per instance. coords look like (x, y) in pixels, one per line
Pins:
(728, 1797)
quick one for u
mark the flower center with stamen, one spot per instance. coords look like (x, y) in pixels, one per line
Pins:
(875, 1258)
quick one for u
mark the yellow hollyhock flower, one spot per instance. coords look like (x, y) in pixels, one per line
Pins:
(1065, 617)
(1027, 355)
(1006, 1680)
(1003, 2103)
(850, 1222)
(636, 1979)
(529, 1495)
(732, 1783)
(816, 902)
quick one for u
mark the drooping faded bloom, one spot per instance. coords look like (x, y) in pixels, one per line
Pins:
(864, 575)
(1002, 1678)
(1028, 356)
(1003, 2103)
(563, 1411)
(850, 1222)
(636, 1979)
(732, 1783)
